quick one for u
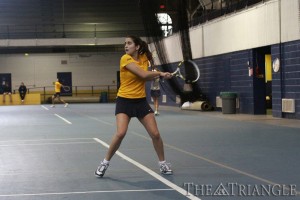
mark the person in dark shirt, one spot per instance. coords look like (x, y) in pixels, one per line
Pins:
(6, 91)
(22, 91)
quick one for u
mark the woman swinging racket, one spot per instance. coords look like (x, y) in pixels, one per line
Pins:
(131, 101)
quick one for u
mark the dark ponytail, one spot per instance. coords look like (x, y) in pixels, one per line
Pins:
(143, 48)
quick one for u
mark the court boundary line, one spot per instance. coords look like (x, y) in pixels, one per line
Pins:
(11, 143)
(83, 192)
(38, 140)
(216, 163)
(42, 144)
(44, 107)
(203, 158)
(64, 119)
(94, 118)
(152, 173)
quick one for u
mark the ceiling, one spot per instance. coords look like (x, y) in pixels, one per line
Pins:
(73, 20)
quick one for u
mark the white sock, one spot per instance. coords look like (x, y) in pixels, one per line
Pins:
(105, 161)
(161, 162)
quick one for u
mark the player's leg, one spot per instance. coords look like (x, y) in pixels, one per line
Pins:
(150, 125)
(4, 94)
(155, 96)
(122, 126)
(155, 102)
(61, 100)
(53, 99)
(23, 97)
(10, 97)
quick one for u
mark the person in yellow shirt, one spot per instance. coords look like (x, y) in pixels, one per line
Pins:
(57, 89)
(131, 101)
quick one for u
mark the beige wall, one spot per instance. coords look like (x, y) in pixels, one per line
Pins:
(41, 69)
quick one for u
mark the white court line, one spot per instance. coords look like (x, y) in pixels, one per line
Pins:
(40, 140)
(99, 120)
(43, 144)
(86, 192)
(104, 122)
(216, 163)
(152, 173)
(63, 119)
(213, 162)
(96, 119)
(45, 107)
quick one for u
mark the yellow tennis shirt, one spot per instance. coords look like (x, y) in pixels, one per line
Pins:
(57, 86)
(132, 86)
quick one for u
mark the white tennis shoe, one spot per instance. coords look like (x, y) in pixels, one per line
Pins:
(101, 169)
(165, 168)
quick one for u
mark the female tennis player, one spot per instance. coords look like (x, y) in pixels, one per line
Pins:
(131, 101)
(57, 88)
(155, 93)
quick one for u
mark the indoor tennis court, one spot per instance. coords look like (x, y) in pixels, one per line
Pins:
(206, 56)
(52, 153)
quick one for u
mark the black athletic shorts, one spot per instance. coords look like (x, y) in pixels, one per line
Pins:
(155, 93)
(57, 94)
(133, 107)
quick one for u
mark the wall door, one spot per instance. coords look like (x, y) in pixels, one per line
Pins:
(65, 78)
(268, 81)
(5, 78)
(259, 84)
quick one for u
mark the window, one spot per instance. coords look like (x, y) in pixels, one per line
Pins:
(165, 23)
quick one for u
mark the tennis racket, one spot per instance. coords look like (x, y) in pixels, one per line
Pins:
(66, 88)
(187, 71)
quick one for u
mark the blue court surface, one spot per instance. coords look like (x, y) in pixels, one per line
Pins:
(52, 153)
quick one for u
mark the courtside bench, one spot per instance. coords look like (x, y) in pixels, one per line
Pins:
(30, 99)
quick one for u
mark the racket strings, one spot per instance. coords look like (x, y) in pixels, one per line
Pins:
(188, 71)
(66, 88)
(182, 71)
(191, 72)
